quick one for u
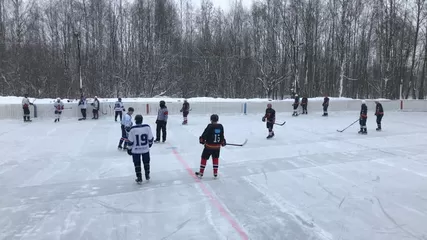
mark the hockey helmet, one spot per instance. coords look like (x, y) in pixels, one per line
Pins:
(58, 99)
(131, 109)
(363, 102)
(120, 99)
(138, 119)
(162, 103)
(269, 105)
(214, 118)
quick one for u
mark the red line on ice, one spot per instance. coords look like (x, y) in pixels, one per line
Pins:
(214, 200)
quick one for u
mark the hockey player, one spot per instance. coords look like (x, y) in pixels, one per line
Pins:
(95, 110)
(162, 119)
(125, 127)
(270, 116)
(363, 118)
(212, 138)
(26, 107)
(59, 106)
(379, 112)
(118, 109)
(295, 105)
(140, 141)
(325, 106)
(185, 110)
(304, 104)
(83, 107)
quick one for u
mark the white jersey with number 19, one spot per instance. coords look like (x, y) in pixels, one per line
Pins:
(140, 138)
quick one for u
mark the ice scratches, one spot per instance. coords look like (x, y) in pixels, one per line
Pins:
(342, 201)
(400, 226)
(290, 210)
(265, 176)
(179, 227)
(120, 210)
(332, 194)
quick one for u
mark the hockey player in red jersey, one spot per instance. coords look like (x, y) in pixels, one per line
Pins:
(59, 106)
(185, 110)
(270, 117)
(212, 138)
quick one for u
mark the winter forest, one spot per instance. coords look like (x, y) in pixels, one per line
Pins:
(144, 48)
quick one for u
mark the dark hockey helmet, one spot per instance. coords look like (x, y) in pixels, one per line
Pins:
(131, 109)
(214, 118)
(269, 105)
(162, 103)
(138, 119)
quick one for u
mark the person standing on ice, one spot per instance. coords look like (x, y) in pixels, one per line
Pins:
(125, 127)
(118, 109)
(304, 104)
(325, 106)
(212, 138)
(162, 119)
(26, 107)
(379, 112)
(140, 141)
(270, 116)
(59, 106)
(83, 107)
(95, 110)
(295, 105)
(363, 118)
(185, 110)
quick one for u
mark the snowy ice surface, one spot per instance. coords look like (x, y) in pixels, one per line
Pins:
(15, 100)
(68, 181)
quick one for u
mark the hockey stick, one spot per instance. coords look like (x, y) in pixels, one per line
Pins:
(348, 126)
(237, 145)
(280, 124)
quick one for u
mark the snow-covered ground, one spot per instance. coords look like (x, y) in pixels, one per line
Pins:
(68, 181)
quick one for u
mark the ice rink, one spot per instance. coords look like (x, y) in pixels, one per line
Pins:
(68, 181)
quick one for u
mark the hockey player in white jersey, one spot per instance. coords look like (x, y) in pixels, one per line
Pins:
(125, 128)
(59, 106)
(140, 141)
(118, 109)
(26, 107)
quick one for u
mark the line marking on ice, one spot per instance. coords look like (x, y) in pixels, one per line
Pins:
(213, 199)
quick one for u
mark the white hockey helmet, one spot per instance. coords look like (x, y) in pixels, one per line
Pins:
(363, 102)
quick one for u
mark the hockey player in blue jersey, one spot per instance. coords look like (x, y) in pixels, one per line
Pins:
(140, 141)
(125, 128)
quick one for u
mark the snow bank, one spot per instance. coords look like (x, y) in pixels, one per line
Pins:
(10, 107)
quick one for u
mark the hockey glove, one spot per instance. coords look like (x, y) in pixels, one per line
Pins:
(263, 119)
(224, 143)
(127, 129)
(201, 140)
(129, 151)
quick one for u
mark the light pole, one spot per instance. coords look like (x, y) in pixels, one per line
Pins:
(77, 35)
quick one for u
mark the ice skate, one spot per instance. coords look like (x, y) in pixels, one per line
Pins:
(199, 175)
(138, 180)
(378, 129)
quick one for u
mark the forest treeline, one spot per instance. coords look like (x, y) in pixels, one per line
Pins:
(348, 48)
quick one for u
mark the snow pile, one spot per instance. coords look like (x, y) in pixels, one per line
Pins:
(18, 100)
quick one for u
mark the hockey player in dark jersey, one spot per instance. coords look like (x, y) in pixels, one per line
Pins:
(270, 116)
(379, 112)
(363, 118)
(185, 110)
(296, 105)
(304, 104)
(325, 106)
(212, 138)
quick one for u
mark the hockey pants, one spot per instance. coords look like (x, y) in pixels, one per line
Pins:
(145, 157)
